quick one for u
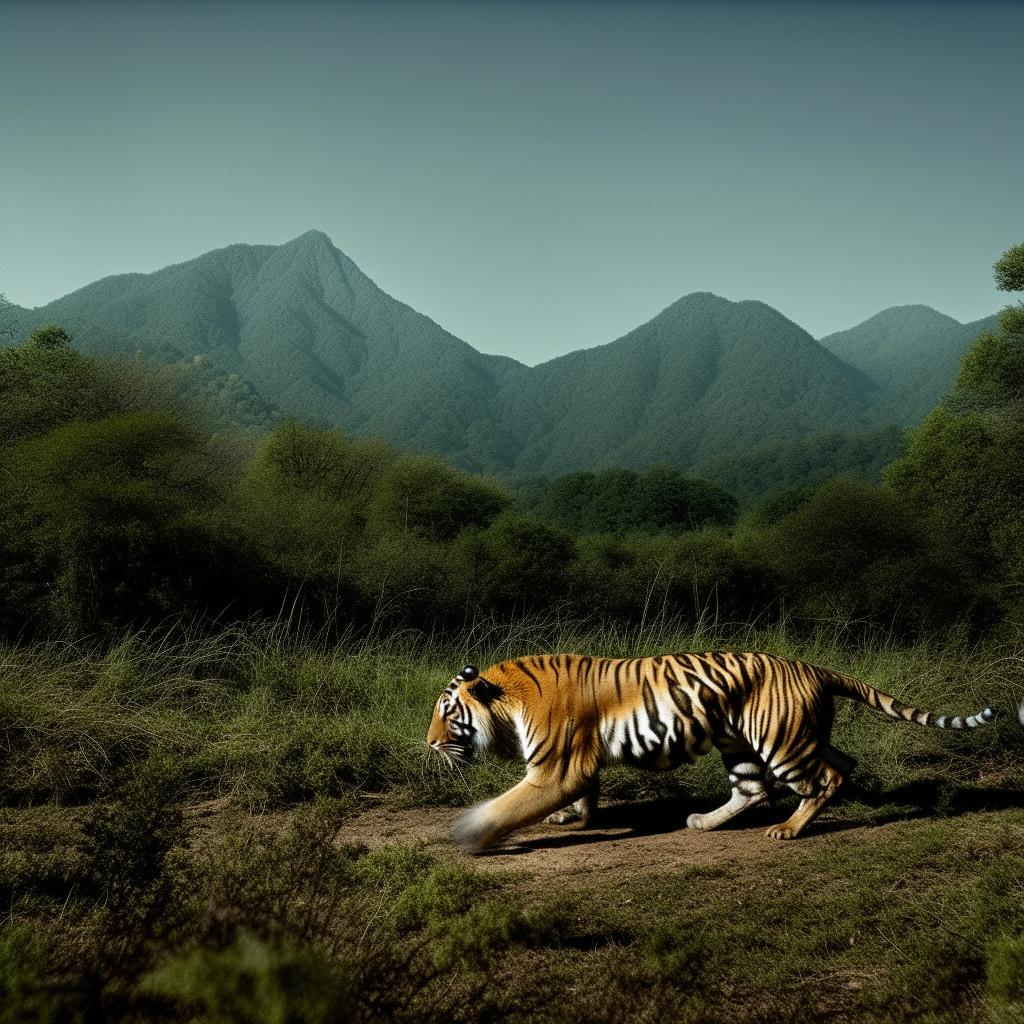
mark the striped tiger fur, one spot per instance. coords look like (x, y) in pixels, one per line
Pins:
(568, 715)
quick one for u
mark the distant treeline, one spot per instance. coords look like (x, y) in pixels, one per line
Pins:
(117, 508)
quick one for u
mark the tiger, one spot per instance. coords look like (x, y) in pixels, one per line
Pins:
(569, 715)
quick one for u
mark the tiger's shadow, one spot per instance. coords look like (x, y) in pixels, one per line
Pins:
(856, 807)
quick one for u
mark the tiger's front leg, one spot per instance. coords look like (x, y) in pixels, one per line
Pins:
(539, 794)
(578, 814)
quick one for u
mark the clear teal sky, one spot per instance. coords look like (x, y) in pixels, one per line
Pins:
(537, 177)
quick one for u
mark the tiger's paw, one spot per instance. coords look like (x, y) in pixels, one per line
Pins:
(566, 816)
(782, 832)
(472, 832)
(698, 822)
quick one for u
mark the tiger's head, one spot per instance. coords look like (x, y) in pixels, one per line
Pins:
(464, 723)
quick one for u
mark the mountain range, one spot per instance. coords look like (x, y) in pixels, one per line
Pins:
(308, 334)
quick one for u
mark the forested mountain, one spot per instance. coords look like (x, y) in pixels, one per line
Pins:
(911, 353)
(298, 330)
(703, 378)
(311, 333)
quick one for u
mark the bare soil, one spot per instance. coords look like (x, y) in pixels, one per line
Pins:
(624, 840)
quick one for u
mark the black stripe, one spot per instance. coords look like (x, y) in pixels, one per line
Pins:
(570, 729)
(526, 671)
(651, 707)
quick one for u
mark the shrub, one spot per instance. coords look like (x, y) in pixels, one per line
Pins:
(855, 551)
(129, 841)
(1005, 969)
(26, 991)
(426, 497)
(514, 565)
(254, 982)
(102, 525)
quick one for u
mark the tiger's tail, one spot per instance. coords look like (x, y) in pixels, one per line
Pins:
(847, 686)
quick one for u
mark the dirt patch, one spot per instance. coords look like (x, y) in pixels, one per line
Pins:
(625, 840)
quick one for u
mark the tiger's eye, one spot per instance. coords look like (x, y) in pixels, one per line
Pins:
(469, 672)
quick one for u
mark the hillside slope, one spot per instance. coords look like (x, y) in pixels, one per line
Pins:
(313, 337)
(703, 378)
(312, 334)
(911, 352)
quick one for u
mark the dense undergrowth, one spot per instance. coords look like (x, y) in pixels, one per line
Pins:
(115, 908)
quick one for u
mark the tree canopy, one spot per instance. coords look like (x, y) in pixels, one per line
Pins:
(963, 471)
(623, 501)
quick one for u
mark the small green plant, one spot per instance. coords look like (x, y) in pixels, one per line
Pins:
(1005, 969)
(26, 991)
(253, 982)
(129, 840)
(676, 954)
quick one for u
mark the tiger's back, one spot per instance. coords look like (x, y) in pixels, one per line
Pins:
(664, 711)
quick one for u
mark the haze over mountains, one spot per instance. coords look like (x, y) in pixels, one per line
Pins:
(705, 379)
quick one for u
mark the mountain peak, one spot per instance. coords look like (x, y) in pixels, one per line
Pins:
(912, 313)
(696, 300)
(312, 239)
(911, 351)
(708, 376)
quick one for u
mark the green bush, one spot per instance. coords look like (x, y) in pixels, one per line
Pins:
(253, 982)
(514, 565)
(1005, 969)
(313, 460)
(101, 521)
(130, 838)
(45, 384)
(852, 551)
(27, 995)
(427, 498)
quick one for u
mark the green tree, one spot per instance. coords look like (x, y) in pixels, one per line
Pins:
(8, 321)
(669, 500)
(423, 495)
(1009, 270)
(963, 471)
(109, 522)
(302, 507)
(45, 383)
(622, 501)
(315, 460)
(513, 566)
(851, 550)
(49, 338)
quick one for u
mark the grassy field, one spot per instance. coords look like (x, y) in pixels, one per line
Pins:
(118, 906)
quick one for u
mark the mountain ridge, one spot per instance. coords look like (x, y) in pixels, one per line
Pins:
(316, 337)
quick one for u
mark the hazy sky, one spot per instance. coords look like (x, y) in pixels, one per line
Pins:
(535, 176)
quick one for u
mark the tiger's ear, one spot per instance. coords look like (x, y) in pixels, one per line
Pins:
(485, 691)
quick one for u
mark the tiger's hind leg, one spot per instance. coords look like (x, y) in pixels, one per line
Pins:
(817, 781)
(578, 813)
(746, 773)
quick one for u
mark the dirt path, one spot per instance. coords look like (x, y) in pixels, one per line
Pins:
(625, 840)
